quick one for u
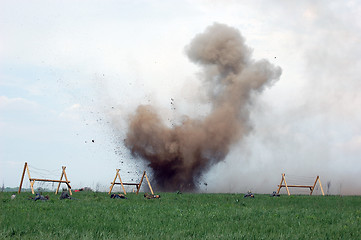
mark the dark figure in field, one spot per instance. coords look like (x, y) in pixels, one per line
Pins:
(274, 194)
(150, 196)
(40, 197)
(118, 196)
(64, 195)
(249, 194)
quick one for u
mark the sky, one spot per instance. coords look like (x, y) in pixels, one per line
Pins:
(71, 73)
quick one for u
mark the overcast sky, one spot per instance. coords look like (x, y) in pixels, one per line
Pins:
(72, 72)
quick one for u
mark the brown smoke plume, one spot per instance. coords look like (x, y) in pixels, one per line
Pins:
(180, 154)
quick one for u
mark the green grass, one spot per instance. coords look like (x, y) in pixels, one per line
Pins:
(180, 216)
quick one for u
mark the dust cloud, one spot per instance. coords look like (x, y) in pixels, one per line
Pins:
(180, 154)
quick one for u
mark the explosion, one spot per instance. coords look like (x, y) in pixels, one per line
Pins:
(178, 155)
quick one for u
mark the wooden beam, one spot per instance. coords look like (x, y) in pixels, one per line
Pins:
(49, 180)
(61, 177)
(319, 180)
(31, 182)
(150, 187)
(301, 186)
(67, 181)
(140, 183)
(288, 191)
(32, 186)
(280, 185)
(112, 183)
(121, 183)
(127, 183)
(313, 187)
(117, 175)
(22, 177)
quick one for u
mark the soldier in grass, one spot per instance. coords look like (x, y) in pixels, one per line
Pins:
(121, 196)
(249, 194)
(39, 196)
(64, 195)
(274, 194)
(151, 196)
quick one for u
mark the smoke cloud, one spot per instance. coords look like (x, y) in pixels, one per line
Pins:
(179, 154)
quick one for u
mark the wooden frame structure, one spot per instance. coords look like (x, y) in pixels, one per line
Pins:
(33, 180)
(311, 187)
(138, 185)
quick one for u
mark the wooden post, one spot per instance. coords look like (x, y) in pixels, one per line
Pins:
(311, 187)
(61, 177)
(22, 177)
(284, 179)
(121, 183)
(279, 186)
(150, 187)
(112, 183)
(319, 180)
(32, 186)
(314, 185)
(140, 183)
(67, 181)
(31, 181)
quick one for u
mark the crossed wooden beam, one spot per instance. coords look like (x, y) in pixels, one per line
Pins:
(33, 180)
(138, 185)
(311, 187)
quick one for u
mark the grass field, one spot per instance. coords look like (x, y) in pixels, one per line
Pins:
(180, 216)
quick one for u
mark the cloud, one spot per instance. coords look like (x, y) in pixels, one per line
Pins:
(73, 112)
(13, 104)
